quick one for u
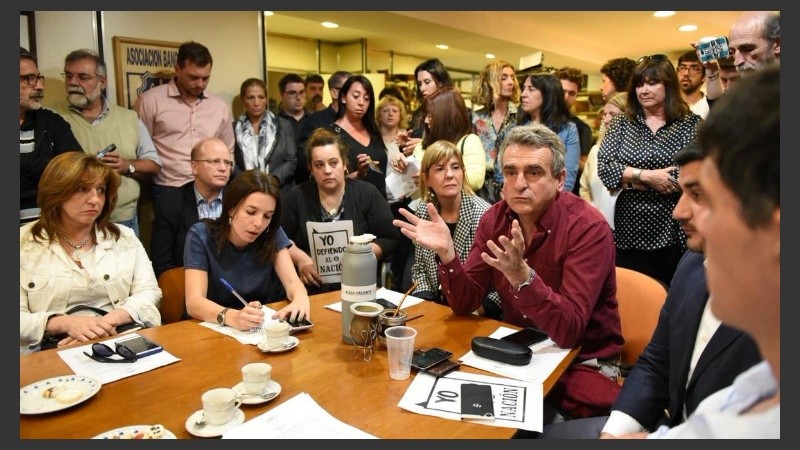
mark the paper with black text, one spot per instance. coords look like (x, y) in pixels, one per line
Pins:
(300, 417)
(517, 404)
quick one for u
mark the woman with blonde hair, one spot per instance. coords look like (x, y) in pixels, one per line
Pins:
(73, 255)
(498, 92)
(442, 183)
(591, 186)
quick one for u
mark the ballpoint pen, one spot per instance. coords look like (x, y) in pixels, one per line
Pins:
(237, 295)
(233, 291)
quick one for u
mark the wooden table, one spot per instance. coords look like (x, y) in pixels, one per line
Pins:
(355, 392)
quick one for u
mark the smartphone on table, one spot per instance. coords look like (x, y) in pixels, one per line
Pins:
(425, 359)
(527, 336)
(139, 345)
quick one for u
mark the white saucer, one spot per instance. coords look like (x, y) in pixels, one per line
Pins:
(249, 399)
(212, 430)
(291, 342)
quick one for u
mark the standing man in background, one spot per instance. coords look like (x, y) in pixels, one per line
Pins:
(97, 124)
(179, 114)
(754, 42)
(692, 75)
(314, 87)
(572, 83)
(293, 101)
(43, 134)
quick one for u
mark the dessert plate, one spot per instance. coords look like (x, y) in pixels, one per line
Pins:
(57, 393)
(138, 432)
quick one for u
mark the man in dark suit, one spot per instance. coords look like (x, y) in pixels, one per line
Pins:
(180, 209)
(689, 343)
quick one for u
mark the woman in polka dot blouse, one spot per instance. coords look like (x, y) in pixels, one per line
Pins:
(636, 156)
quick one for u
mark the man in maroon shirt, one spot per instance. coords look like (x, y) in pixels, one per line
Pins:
(550, 256)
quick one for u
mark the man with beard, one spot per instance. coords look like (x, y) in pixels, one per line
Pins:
(754, 42)
(43, 134)
(691, 354)
(692, 75)
(314, 86)
(97, 124)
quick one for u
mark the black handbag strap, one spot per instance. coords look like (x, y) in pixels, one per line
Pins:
(98, 311)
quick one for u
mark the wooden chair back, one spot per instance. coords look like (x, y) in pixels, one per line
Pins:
(173, 299)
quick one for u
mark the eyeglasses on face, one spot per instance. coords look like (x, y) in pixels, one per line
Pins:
(103, 353)
(216, 162)
(32, 79)
(694, 70)
(294, 93)
(657, 58)
(83, 77)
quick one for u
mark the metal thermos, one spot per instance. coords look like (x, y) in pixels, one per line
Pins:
(359, 283)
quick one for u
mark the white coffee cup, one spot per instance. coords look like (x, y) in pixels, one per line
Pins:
(276, 335)
(255, 377)
(220, 405)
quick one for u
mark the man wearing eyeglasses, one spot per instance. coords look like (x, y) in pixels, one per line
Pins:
(181, 113)
(692, 75)
(43, 134)
(178, 210)
(98, 124)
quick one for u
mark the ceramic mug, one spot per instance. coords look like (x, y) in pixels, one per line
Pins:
(276, 335)
(220, 405)
(255, 377)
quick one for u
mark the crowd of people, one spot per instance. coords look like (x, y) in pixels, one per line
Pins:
(494, 228)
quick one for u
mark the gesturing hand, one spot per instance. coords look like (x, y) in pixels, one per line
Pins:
(432, 234)
(509, 258)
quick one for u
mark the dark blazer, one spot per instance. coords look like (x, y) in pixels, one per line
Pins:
(282, 157)
(658, 380)
(175, 212)
(52, 136)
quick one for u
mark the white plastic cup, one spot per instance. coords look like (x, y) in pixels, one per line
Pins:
(255, 377)
(400, 347)
(220, 405)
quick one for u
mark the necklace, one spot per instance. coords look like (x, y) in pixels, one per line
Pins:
(76, 255)
(73, 245)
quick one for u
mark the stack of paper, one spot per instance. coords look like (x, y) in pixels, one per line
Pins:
(300, 417)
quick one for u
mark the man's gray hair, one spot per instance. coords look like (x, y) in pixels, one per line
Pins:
(86, 53)
(536, 136)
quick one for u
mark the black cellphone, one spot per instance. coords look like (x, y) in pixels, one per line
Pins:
(425, 359)
(299, 324)
(139, 345)
(385, 303)
(527, 336)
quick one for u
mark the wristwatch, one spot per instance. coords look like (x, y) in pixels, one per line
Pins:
(531, 276)
(221, 316)
(131, 169)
